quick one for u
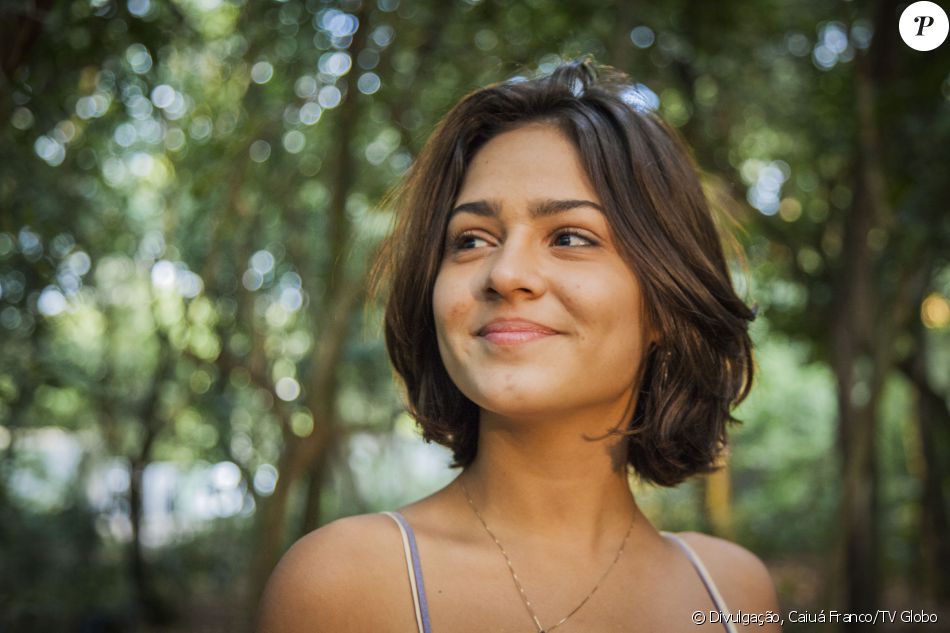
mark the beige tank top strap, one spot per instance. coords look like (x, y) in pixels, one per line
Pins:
(707, 581)
(421, 619)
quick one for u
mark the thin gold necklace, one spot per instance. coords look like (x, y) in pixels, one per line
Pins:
(514, 576)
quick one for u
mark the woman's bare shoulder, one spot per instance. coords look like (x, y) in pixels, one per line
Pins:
(320, 582)
(741, 576)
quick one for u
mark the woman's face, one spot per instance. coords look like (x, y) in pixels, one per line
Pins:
(536, 312)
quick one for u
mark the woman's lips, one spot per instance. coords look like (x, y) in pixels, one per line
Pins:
(514, 331)
(515, 337)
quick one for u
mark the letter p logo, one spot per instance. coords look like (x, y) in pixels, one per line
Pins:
(923, 26)
(925, 21)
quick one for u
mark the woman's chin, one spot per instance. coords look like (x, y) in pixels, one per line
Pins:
(520, 404)
(549, 402)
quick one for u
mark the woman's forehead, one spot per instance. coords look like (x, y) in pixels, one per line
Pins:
(534, 161)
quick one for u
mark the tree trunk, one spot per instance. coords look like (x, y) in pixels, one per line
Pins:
(856, 424)
(151, 606)
(316, 478)
(300, 452)
(18, 33)
(935, 546)
(719, 502)
(854, 369)
(331, 319)
(933, 423)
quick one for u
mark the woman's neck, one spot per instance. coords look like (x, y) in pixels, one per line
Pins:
(546, 480)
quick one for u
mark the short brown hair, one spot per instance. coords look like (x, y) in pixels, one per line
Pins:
(662, 224)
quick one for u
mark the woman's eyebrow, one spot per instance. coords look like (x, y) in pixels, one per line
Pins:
(538, 208)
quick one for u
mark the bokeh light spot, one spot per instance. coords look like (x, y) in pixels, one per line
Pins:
(138, 58)
(368, 83)
(642, 36)
(287, 389)
(50, 150)
(260, 151)
(51, 302)
(252, 280)
(329, 97)
(305, 86)
(935, 311)
(262, 72)
(163, 96)
(163, 274)
(310, 113)
(22, 118)
(335, 64)
(265, 480)
(301, 423)
(294, 141)
(262, 261)
(139, 8)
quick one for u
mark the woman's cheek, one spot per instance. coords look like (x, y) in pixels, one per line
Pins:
(457, 312)
(450, 304)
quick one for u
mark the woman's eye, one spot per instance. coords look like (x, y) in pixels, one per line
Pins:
(572, 238)
(466, 241)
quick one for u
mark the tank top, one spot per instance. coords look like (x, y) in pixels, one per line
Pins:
(421, 607)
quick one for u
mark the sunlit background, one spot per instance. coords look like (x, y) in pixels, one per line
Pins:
(192, 376)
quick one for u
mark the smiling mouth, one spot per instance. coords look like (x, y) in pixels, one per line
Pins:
(515, 336)
(508, 332)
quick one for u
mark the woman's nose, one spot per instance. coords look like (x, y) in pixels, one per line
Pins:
(515, 268)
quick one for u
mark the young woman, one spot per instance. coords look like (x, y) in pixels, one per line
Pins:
(561, 314)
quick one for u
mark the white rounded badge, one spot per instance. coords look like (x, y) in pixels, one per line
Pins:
(923, 26)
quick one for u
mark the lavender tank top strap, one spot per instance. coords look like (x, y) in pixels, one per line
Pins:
(414, 569)
(707, 581)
